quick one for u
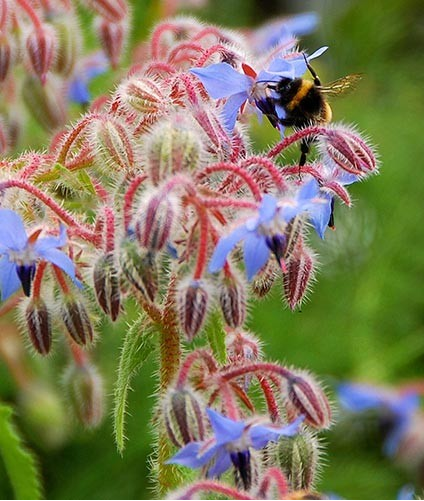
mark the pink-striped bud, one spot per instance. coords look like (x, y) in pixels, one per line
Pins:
(348, 150)
(5, 56)
(263, 281)
(304, 396)
(77, 320)
(183, 413)
(4, 8)
(85, 389)
(297, 278)
(68, 46)
(113, 10)
(38, 321)
(106, 285)
(41, 48)
(141, 94)
(112, 36)
(192, 303)
(232, 298)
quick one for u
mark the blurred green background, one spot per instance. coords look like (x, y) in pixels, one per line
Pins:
(365, 317)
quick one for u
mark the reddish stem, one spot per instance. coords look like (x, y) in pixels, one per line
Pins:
(110, 229)
(273, 476)
(36, 284)
(212, 486)
(61, 280)
(129, 198)
(270, 167)
(198, 355)
(257, 367)
(32, 14)
(297, 136)
(271, 401)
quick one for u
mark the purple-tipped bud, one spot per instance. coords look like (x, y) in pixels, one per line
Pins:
(38, 321)
(77, 320)
(183, 413)
(112, 36)
(298, 276)
(85, 388)
(192, 302)
(155, 221)
(68, 47)
(41, 47)
(139, 267)
(106, 285)
(298, 458)
(349, 151)
(142, 94)
(304, 396)
(113, 10)
(44, 102)
(5, 56)
(232, 298)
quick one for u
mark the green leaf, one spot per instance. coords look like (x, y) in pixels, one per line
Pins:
(216, 336)
(20, 464)
(138, 345)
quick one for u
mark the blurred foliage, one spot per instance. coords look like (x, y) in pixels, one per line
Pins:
(365, 318)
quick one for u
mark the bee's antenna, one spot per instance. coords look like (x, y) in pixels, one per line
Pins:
(317, 80)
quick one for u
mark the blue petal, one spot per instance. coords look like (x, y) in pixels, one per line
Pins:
(51, 242)
(302, 24)
(308, 191)
(394, 438)
(357, 397)
(282, 66)
(9, 280)
(318, 53)
(189, 456)
(319, 214)
(61, 260)
(256, 254)
(12, 231)
(406, 492)
(225, 429)
(267, 209)
(224, 247)
(222, 461)
(78, 91)
(261, 435)
(231, 108)
(222, 80)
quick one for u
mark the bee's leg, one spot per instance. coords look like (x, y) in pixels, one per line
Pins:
(304, 150)
(331, 220)
(316, 78)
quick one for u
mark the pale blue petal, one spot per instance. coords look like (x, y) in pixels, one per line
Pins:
(256, 254)
(12, 231)
(9, 280)
(358, 397)
(406, 492)
(299, 67)
(267, 208)
(225, 429)
(222, 80)
(189, 456)
(319, 214)
(282, 66)
(224, 247)
(261, 435)
(308, 191)
(302, 24)
(78, 91)
(222, 462)
(45, 243)
(318, 53)
(231, 108)
(61, 260)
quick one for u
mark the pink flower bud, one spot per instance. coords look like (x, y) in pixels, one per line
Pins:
(304, 396)
(113, 10)
(263, 281)
(192, 304)
(232, 298)
(38, 321)
(68, 47)
(183, 413)
(41, 47)
(77, 320)
(112, 36)
(3, 14)
(296, 280)
(5, 56)
(106, 285)
(141, 94)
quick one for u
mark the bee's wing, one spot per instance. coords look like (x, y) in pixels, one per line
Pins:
(341, 85)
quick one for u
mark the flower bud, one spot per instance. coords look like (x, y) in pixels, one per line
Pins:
(141, 94)
(5, 56)
(38, 320)
(183, 413)
(3, 13)
(112, 36)
(85, 388)
(41, 46)
(242, 348)
(44, 102)
(232, 298)
(300, 272)
(298, 458)
(348, 151)
(263, 281)
(192, 303)
(106, 285)
(113, 10)
(77, 320)
(68, 47)
(304, 396)
(171, 147)
(139, 267)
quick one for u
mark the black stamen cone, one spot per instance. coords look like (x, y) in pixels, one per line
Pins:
(241, 462)
(277, 245)
(26, 274)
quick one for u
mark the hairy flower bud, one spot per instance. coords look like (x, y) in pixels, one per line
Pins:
(232, 298)
(41, 47)
(263, 281)
(38, 321)
(171, 147)
(68, 46)
(304, 396)
(45, 102)
(141, 94)
(192, 303)
(296, 280)
(139, 267)
(298, 458)
(5, 56)
(112, 36)
(106, 285)
(113, 10)
(77, 320)
(85, 388)
(183, 413)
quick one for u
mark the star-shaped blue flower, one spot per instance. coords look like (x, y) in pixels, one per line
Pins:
(401, 407)
(19, 254)
(78, 90)
(221, 80)
(230, 444)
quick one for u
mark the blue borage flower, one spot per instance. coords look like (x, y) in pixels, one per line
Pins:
(91, 67)
(231, 444)
(19, 254)
(401, 407)
(266, 232)
(221, 80)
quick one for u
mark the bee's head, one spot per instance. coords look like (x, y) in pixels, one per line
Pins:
(284, 84)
